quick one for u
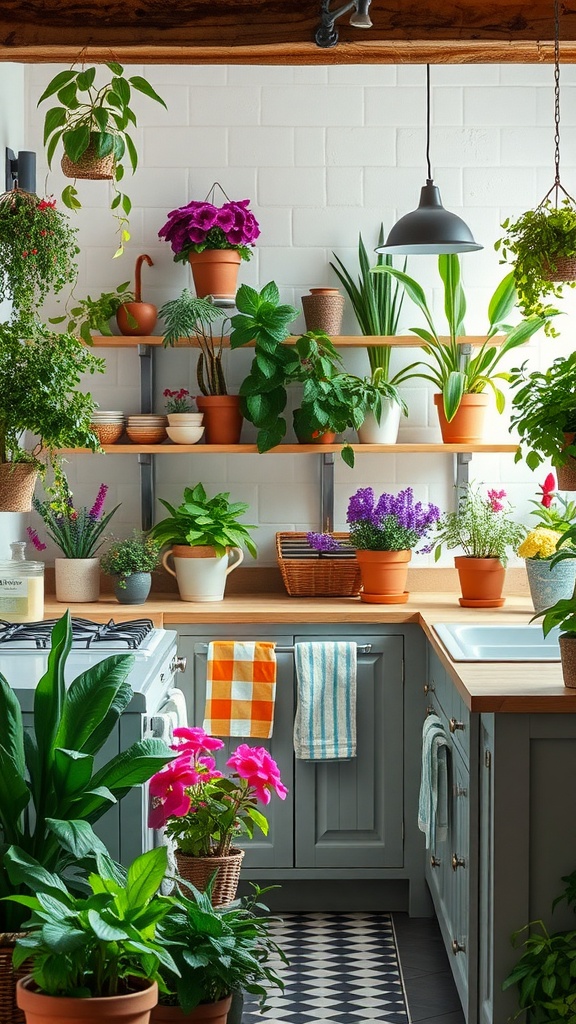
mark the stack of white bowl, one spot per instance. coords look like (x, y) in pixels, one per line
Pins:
(185, 427)
(146, 428)
(108, 425)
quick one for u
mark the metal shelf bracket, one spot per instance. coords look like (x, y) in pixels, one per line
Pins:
(327, 491)
(146, 461)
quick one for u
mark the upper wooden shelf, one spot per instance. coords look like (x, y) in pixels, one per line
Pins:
(342, 341)
(168, 448)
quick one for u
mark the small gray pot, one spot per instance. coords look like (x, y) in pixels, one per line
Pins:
(550, 585)
(136, 590)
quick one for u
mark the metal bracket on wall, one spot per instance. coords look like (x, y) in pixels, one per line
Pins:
(462, 469)
(146, 461)
(327, 491)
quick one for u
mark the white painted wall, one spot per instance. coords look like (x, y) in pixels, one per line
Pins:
(323, 153)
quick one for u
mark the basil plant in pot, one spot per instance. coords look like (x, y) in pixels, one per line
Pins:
(544, 414)
(463, 380)
(40, 377)
(91, 123)
(206, 538)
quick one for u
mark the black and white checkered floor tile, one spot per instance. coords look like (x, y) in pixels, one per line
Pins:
(343, 970)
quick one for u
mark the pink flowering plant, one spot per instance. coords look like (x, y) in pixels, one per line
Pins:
(481, 525)
(203, 810)
(76, 531)
(178, 401)
(202, 225)
(392, 522)
(552, 510)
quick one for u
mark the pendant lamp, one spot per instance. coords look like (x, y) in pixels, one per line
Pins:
(430, 228)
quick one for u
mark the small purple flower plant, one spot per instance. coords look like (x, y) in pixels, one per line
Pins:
(324, 543)
(201, 225)
(393, 522)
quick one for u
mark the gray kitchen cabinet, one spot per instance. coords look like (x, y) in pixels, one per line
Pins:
(343, 820)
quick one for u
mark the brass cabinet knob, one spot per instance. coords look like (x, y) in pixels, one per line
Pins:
(458, 947)
(457, 862)
(454, 724)
(428, 688)
(434, 862)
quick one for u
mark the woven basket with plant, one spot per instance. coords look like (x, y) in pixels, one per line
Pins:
(318, 564)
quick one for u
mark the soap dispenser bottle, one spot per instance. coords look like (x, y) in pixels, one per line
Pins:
(21, 587)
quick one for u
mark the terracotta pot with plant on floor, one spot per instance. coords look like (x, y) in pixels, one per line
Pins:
(383, 531)
(129, 1008)
(483, 528)
(204, 1013)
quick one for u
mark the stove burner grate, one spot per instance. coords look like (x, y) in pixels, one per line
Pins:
(85, 634)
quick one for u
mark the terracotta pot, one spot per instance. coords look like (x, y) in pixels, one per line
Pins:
(17, 483)
(328, 437)
(568, 660)
(133, 1008)
(215, 272)
(136, 318)
(467, 426)
(481, 581)
(323, 310)
(222, 418)
(384, 575)
(199, 870)
(566, 473)
(205, 1013)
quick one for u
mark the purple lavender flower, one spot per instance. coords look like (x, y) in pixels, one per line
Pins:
(323, 542)
(35, 539)
(96, 510)
(392, 523)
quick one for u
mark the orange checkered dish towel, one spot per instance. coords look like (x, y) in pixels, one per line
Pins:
(240, 688)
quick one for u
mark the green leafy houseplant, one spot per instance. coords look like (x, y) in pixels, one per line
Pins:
(218, 950)
(546, 971)
(40, 377)
(194, 319)
(536, 243)
(50, 791)
(377, 304)
(95, 944)
(138, 553)
(544, 411)
(92, 121)
(95, 314)
(201, 520)
(38, 250)
(453, 374)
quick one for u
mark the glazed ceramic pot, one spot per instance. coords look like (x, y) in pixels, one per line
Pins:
(200, 573)
(384, 575)
(467, 426)
(77, 580)
(481, 581)
(136, 589)
(549, 584)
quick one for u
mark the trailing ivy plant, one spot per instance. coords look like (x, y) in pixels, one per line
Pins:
(533, 244)
(93, 119)
(544, 410)
(95, 314)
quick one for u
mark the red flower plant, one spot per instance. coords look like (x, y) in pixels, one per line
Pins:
(202, 810)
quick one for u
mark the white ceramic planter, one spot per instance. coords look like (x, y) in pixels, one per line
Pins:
(201, 575)
(385, 432)
(77, 579)
(185, 419)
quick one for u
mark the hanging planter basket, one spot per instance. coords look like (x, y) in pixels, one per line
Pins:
(563, 268)
(89, 165)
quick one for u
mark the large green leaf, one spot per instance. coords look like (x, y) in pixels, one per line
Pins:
(453, 391)
(145, 875)
(63, 78)
(143, 86)
(502, 301)
(55, 118)
(454, 299)
(14, 797)
(49, 697)
(23, 869)
(11, 729)
(71, 773)
(77, 838)
(76, 141)
(132, 767)
(88, 701)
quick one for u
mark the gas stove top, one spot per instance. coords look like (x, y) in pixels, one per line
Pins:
(110, 636)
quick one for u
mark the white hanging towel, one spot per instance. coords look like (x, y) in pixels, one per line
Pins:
(325, 722)
(433, 800)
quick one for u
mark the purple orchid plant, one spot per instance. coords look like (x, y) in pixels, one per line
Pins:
(75, 531)
(392, 522)
(201, 225)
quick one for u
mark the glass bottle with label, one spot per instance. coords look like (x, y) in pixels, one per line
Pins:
(21, 587)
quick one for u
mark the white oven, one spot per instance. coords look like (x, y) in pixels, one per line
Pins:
(156, 708)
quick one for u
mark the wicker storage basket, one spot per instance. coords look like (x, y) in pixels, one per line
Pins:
(198, 870)
(17, 483)
(95, 168)
(9, 1011)
(307, 574)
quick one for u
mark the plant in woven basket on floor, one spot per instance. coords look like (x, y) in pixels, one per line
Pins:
(204, 811)
(91, 123)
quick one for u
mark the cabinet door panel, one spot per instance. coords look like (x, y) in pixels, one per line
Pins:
(350, 812)
(275, 849)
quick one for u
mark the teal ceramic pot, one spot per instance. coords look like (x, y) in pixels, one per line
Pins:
(136, 590)
(547, 586)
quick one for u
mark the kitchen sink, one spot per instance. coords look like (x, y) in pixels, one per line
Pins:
(491, 641)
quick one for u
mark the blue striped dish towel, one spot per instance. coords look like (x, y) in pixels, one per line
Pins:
(325, 722)
(433, 800)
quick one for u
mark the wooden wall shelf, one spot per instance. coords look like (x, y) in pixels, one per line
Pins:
(342, 341)
(168, 448)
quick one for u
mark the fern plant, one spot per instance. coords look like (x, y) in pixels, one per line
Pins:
(193, 318)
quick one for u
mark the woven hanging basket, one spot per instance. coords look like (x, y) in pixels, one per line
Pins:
(199, 870)
(562, 269)
(307, 574)
(17, 483)
(96, 168)
(9, 1011)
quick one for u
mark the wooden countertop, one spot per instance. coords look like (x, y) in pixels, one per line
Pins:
(523, 687)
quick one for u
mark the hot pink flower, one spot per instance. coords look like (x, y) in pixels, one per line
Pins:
(494, 498)
(548, 489)
(260, 771)
(195, 740)
(168, 790)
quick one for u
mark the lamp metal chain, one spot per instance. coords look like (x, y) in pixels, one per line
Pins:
(556, 98)
(428, 121)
